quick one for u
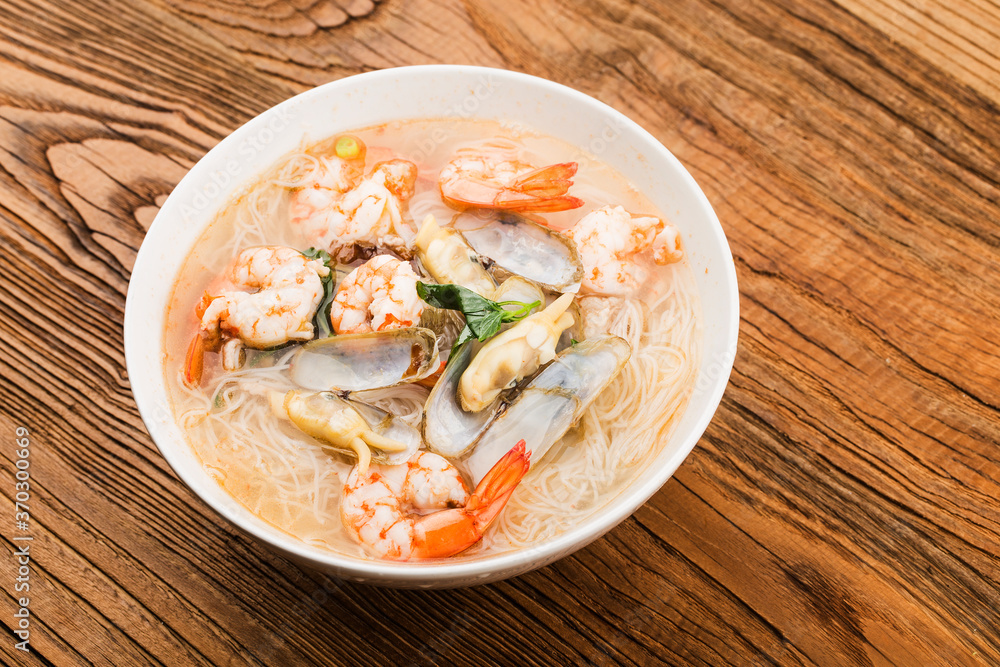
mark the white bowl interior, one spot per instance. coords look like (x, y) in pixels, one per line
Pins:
(432, 91)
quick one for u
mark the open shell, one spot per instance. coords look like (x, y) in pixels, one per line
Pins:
(524, 248)
(446, 324)
(349, 426)
(551, 402)
(356, 362)
(448, 429)
(513, 355)
(520, 289)
(449, 259)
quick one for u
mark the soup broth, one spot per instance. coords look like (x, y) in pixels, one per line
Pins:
(293, 482)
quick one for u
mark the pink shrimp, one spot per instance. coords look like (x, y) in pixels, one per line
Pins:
(610, 240)
(495, 180)
(276, 291)
(380, 294)
(379, 507)
(338, 213)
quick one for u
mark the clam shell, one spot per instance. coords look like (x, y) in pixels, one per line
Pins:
(381, 422)
(356, 362)
(524, 248)
(448, 258)
(390, 426)
(448, 429)
(551, 403)
(520, 289)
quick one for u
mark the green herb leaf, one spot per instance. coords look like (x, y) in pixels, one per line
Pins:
(464, 336)
(315, 253)
(483, 317)
(321, 320)
(455, 297)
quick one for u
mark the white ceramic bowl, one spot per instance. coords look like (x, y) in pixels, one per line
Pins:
(429, 92)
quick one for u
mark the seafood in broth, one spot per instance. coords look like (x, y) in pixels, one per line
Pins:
(514, 354)
(404, 352)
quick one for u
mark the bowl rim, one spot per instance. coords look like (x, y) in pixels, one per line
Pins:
(627, 500)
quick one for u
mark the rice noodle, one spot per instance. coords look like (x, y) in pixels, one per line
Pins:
(294, 482)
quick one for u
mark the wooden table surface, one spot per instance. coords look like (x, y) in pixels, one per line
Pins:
(841, 509)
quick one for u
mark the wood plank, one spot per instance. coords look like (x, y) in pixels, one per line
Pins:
(839, 510)
(967, 38)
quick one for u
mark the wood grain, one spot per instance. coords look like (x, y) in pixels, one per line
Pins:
(840, 510)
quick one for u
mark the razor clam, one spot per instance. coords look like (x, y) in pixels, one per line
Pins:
(524, 248)
(448, 429)
(551, 402)
(355, 362)
(514, 354)
(449, 259)
(348, 425)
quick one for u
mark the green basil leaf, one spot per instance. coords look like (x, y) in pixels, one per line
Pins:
(454, 297)
(483, 317)
(485, 326)
(464, 336)
(321, 320)
(316, 253)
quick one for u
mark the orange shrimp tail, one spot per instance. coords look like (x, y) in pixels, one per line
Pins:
(551, 205)
(545, 189)
(449, 532)
(495, 487)
(550, 181)
(194, 361)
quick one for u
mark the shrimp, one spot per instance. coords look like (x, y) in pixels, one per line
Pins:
(379, 509)
(610, 238)
(495, 180)
(380, 294)
(277, 291)
(338, 213)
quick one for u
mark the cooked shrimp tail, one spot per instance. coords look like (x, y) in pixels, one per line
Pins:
(495, 489)
(385, 507)
(544, 190)
(194, 361)
(450, 532)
